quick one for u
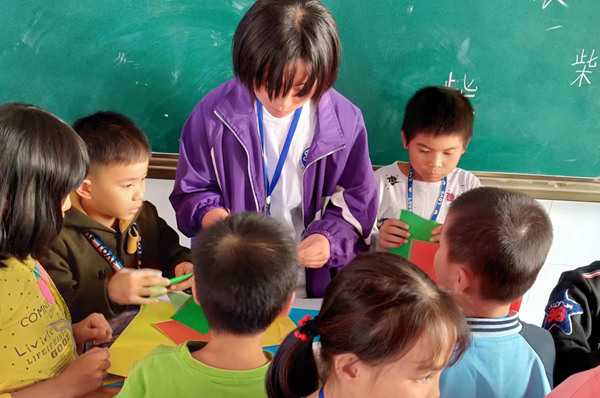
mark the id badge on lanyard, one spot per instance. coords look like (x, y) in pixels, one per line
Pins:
(270, 186)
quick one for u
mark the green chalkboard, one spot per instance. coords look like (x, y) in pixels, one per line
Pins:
(155, 59)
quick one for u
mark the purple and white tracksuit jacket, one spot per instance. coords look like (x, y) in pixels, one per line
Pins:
(221, 166)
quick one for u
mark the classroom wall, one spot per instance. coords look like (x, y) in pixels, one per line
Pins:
(576, 231)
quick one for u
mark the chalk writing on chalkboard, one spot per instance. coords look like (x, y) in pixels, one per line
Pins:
(587, 65)
(546, 3)
(468, 89)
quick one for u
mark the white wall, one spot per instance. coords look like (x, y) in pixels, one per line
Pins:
(157, 192)
(576, 242)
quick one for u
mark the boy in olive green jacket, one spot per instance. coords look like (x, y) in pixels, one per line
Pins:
(114, 247)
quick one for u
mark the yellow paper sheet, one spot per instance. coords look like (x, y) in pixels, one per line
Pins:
(139, 338)
(278, 330)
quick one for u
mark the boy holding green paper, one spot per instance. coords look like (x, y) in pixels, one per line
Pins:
(437, 127)
(245, 269)
(114, 248)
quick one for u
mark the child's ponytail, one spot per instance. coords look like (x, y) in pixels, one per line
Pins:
(293, 372)
(376, 308)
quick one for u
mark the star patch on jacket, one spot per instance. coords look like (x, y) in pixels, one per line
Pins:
(560, 311)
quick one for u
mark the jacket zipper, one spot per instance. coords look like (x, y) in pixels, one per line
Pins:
(247, 157)
(304, 171)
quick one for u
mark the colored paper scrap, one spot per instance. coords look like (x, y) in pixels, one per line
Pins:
(179, 333)
(278, 331)
(139, 338)
(192, 315)
(179, 299)
(420, 229)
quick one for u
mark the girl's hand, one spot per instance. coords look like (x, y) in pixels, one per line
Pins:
(314, 251)
(93, 328)
(181, 269)
(85, 374)
(393, 233)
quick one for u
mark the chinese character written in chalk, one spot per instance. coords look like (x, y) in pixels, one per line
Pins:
(586, 66)
(546, 3)
(468, 90)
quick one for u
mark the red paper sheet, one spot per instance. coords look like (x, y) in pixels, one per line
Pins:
(421, 254)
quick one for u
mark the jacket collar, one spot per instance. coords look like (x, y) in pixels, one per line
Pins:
(237, 111)
(495, 327)
(86, 221)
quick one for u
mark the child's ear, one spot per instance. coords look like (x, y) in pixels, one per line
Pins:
(288, 306)
(195, 294)
(346, 366)
(404, 143)
(464, 279)
(85, 189)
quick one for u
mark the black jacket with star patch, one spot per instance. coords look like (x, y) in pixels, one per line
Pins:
(573, 319)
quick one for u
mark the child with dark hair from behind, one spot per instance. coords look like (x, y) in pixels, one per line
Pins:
(437, 127)
(385, 330)
(246, 269)
(111, 230)
(492, 248)
(41, 161)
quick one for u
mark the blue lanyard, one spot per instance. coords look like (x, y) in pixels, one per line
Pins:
(321, 393)
(270, 187)
(438, 204)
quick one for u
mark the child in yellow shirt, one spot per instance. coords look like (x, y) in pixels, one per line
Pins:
(42, 161)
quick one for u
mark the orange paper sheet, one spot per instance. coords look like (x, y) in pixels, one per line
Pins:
(179, 333)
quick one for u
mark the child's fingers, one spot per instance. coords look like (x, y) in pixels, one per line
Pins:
(394, 230)
(182, 285)
(396, 223)
(147, 291)
(392, 243)
(144, 300)
(392, 238)
(153, 280)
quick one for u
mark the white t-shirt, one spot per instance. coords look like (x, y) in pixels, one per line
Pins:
(286, 199)
(393, 186)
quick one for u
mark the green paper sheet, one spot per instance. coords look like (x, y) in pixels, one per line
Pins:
(420, 229)
(192, 315)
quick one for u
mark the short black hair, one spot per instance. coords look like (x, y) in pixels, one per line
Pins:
(275, 35)
(246, 268)
(112, 138)
(438, 111)
(503, 236)
(41, 161)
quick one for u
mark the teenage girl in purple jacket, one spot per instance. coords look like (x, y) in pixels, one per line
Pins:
(279, 139)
